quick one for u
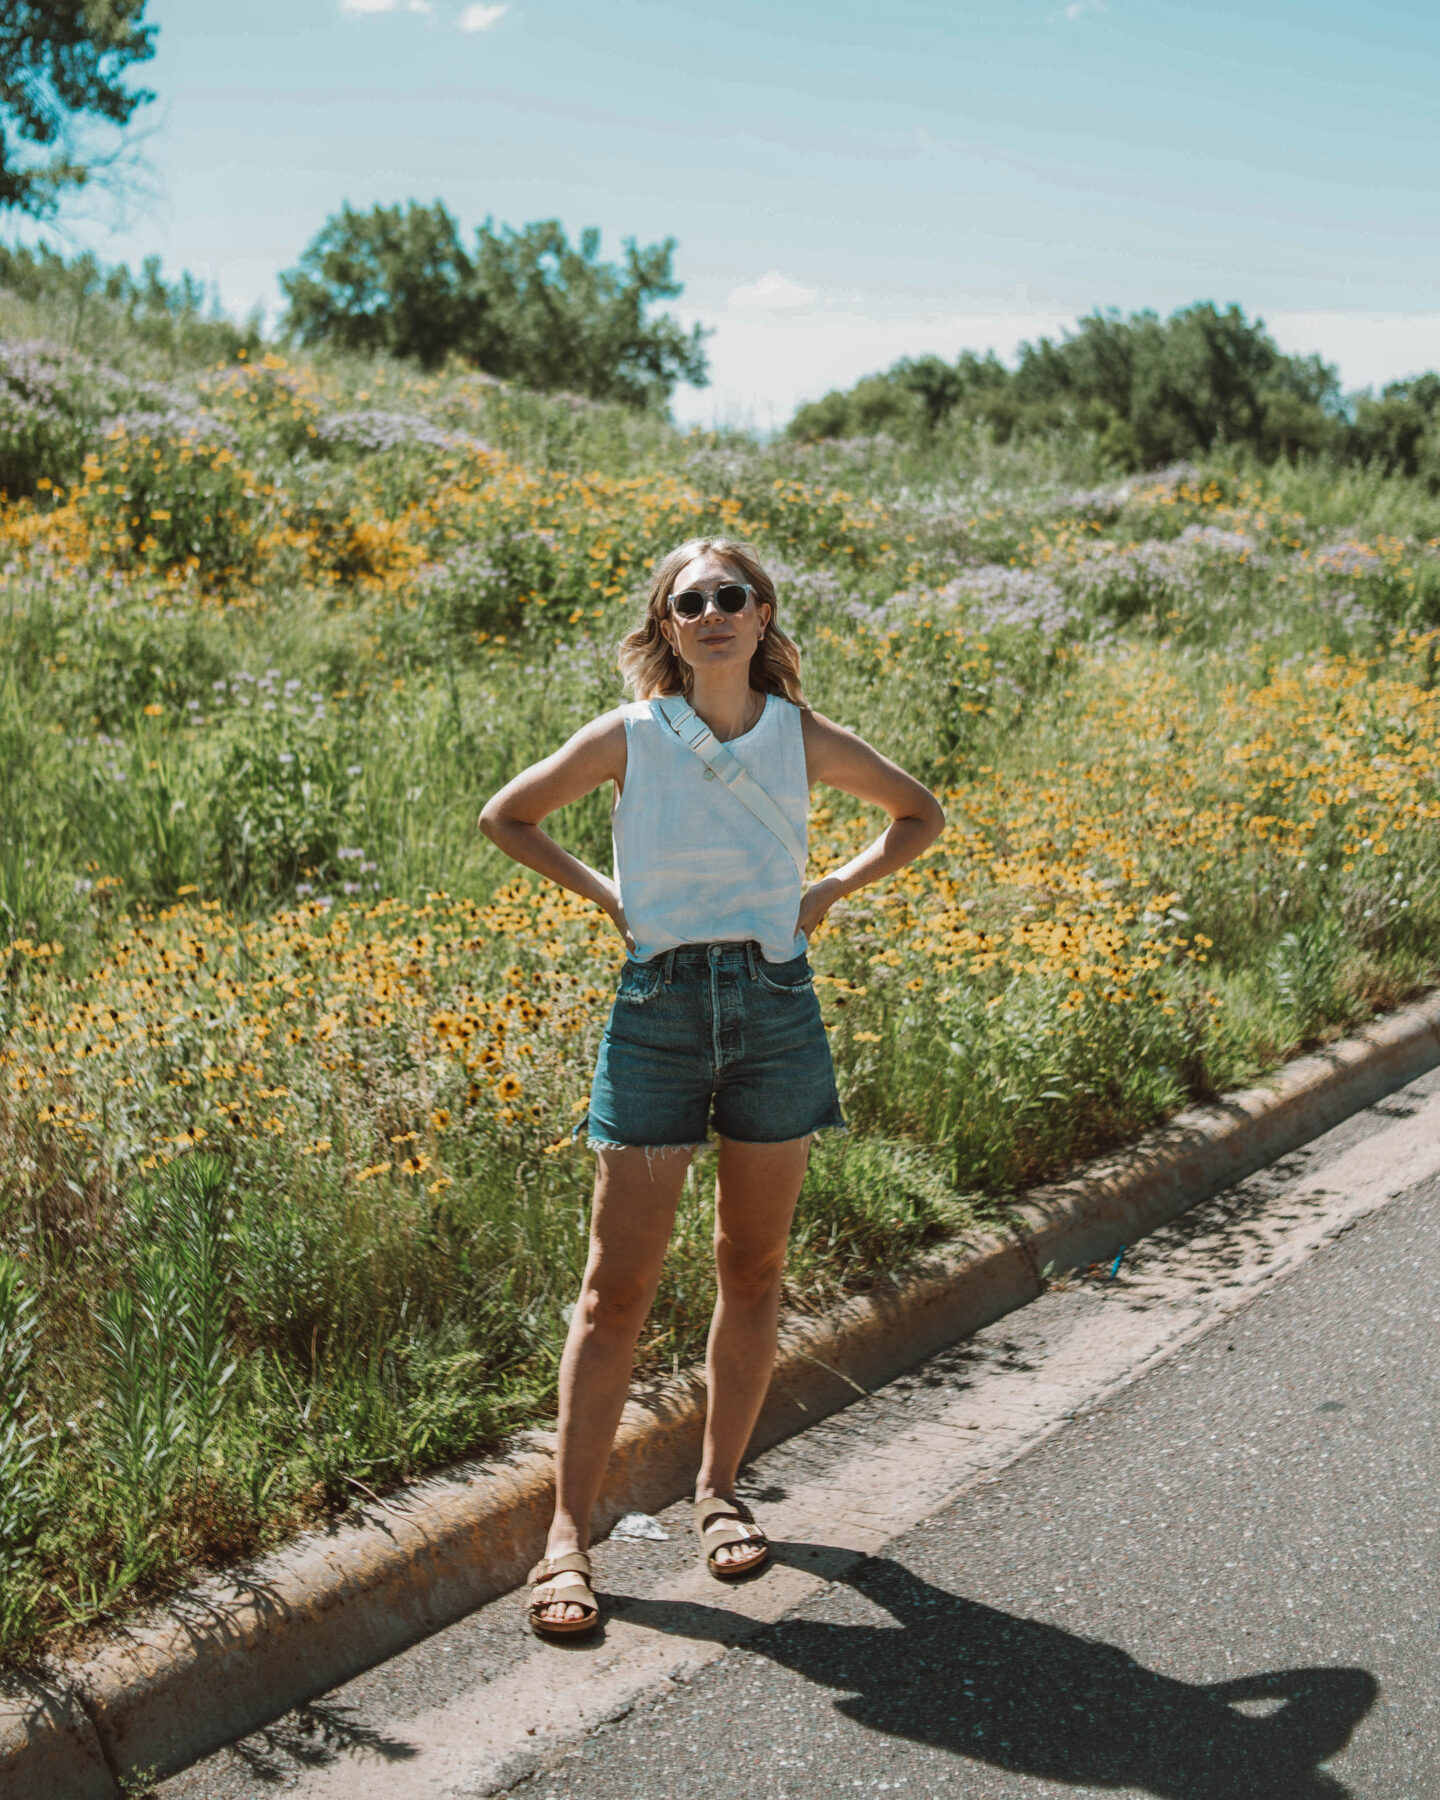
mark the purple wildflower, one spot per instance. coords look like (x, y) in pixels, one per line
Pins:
(374, 431)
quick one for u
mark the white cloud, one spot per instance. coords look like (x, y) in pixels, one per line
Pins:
(481, 18)
(774, 292)
(1368, 348)
(1077, 9)
(764, 363)
(360, 8)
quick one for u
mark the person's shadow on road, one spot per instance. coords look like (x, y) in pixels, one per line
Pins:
(1039, 1701)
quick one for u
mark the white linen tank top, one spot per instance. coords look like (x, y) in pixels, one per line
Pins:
(693, 864)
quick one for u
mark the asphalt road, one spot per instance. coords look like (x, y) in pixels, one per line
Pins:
(1223, 1585)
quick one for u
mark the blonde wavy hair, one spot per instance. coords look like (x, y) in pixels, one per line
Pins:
(651, 668)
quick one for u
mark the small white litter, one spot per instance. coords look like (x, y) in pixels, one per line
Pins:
(639, 1525)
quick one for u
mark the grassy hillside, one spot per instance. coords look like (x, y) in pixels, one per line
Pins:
(289, 1061)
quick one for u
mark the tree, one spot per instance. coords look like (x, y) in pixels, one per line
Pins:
(1400, 431)
(393, 279)
(59, 60)
(1147, 390)
(934, 383)
(912, 398)
(557, 317)
(1208, 377)
(525, 305)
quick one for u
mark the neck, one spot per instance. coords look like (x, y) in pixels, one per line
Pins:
(726, 702)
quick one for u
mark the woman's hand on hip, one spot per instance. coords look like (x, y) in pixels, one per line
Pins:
(611, 904)
(815, 902)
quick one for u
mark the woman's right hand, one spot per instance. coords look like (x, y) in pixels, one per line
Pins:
(616, 911)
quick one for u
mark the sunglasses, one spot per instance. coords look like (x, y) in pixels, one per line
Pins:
(730, 597)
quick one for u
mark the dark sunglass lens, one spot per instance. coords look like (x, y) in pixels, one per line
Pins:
(731, 597)
(690, 604)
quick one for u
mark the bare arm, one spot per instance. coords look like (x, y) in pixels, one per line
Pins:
(842, 760)
(511, 819)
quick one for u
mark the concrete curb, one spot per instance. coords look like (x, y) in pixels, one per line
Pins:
(242, 1648)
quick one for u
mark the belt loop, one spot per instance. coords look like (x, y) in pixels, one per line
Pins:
(750, 959)
(669, 966)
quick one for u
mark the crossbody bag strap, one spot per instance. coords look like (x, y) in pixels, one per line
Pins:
(697, 736)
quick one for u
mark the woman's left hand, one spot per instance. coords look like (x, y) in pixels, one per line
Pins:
(815, 902)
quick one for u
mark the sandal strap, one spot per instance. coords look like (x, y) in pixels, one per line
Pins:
(739, 1533)
(576, 1561)
(713, 1506)
(573, 1593)
(721, 1522)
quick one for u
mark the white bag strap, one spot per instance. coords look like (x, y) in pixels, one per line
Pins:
(696, 735)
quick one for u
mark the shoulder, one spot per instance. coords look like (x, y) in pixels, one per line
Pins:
(599, 745)
(608, 728)
(842, 759)
(824, 739)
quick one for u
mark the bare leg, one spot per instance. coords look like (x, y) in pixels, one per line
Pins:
(756, 1191)
(630, 1224)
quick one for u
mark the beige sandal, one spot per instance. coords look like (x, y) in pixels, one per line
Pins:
(720, 1522)
(545, 1592)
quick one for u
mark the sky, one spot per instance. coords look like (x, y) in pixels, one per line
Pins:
(846, 182)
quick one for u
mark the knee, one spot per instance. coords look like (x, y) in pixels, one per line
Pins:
(748, 1278)
(612, 1307)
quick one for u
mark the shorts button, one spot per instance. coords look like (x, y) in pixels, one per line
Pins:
(709, 774)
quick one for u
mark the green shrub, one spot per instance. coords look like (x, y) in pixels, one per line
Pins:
(284, 809)
(167, 492)
(1146, 392)
(51, 406)
(526, 305)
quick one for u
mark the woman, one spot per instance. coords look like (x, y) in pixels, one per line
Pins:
(715, 1015)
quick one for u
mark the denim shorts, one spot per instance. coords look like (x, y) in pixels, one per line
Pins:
(712, 1031)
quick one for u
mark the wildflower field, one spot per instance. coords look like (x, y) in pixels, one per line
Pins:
(289, 1061)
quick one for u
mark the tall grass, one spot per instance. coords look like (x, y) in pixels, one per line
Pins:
(289, 1061)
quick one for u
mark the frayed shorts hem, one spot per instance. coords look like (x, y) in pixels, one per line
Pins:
(599, 1143)
(594, 1140)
